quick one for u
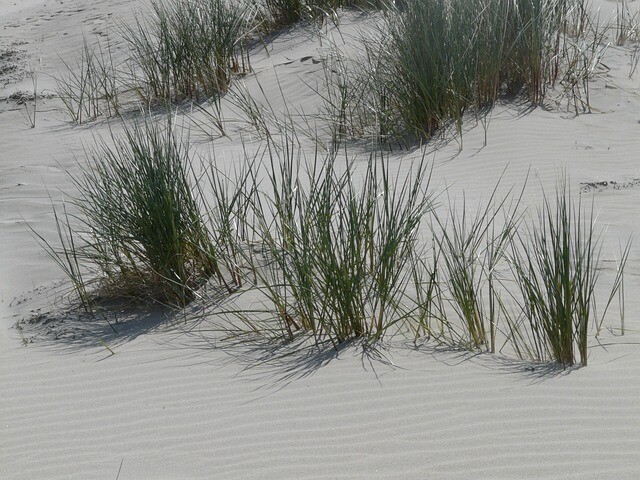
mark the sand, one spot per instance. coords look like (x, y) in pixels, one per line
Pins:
(166, 400)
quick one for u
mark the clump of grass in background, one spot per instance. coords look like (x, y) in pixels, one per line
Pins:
(431, 46)
(455, 56)
(443, 59)
(627, 32)
(141, 226)
(580, 58)
(338, 252)
(627, 27)
(342, 93)
(284, 13)
(188, 49)
(91, 86)
(183, 50)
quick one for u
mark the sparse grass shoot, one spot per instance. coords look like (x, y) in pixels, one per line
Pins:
(470, 252)
(90, 87)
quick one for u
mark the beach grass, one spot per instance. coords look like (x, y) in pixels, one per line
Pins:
(557, 266)
(141, 226)
(329, 242)
(91, 86)
(627, 28)
(441, 61)
(331, 246)
(188, 50)
(66, 254)
(337, 250)
(278, 14)
(182, 50)
(471, 249)
(509, 280)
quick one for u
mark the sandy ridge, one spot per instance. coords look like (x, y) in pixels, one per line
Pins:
(167, 405)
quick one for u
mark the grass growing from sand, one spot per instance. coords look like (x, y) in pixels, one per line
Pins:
(90, 87)
(338, 249)
(443, 59)
(331, 247)
(557, 267)
(284, 13)
(188, 50)
(180, 50)
(471, 249)
(141, 220)
(330, 244)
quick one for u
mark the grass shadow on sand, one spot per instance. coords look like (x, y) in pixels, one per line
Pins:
(64, 324)
(529, 371)
(271, 363)
(72, 328)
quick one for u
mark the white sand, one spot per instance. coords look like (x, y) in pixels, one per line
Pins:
(168, 405)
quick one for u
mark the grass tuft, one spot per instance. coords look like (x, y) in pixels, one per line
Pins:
(557, 268)
(338, 252)
(141, 220)
(443, 59)
(188, 49)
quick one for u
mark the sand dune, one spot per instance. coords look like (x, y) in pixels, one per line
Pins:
(166, 399)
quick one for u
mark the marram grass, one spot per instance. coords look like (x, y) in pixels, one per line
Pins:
(440, 61)
(141, 226)
(557, 268)
(91, 86)
(188, 49)
(331, 247)
(337, 249)
(180, 50)
(471, 248)
(284, 13)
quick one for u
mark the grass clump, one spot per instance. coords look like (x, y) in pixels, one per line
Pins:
(284, 13)
(557, 269)
(188, 49)
(453, 56)
(141, 220)
(443, 59)
(338, 252)
(180, 50)
(497, 282)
